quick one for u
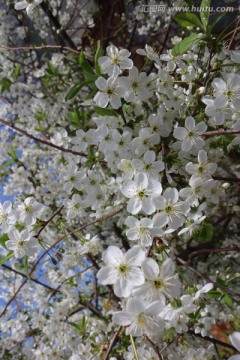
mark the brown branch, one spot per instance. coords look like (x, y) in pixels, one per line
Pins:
(221, 132)
(41, 47)
(88, 305)
(222, 178)
(212, 340)
(207, 251)
(23, 132)
(234, 33)
(170, 343)
(49, 220)
(30, 278)
(154, 346)
(112, 343)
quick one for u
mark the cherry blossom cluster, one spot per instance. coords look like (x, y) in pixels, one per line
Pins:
(120, 237)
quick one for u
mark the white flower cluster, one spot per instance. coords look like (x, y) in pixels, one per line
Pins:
(124, 186)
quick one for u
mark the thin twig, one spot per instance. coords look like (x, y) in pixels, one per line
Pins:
(212, 340)
(155, 347)
(30, 278)
(234, 34)
(112, 342)
(220, 132)
(207, 251)
(23, 132)
(84, 305)
(226, 178)
(49, 220)
(41, 47)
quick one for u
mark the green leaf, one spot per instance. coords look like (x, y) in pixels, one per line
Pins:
(85, 64)
(205, 12)
(3, 239)
(80, 327)
(206, 232)
(8, 163)
(5, 84)
(104, 112)
(228, 300)
(26, 266)
(221, 282)
(184, 45)
(13, 154)
(215, 294)
(72, 92)
(210, 28)
(186, 19)
(51, 70)
(6, 258)
(74, 118)
(99, 52)
(16, 72)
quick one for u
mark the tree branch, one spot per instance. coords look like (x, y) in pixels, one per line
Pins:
(40, 47)
(212, 340)
(221, 132)
(112, 342)
(48, 143)
(30, 278)
(155, 347)
(207, 251)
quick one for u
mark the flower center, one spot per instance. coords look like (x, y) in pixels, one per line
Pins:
(135, 85)
(157, 283)
(168, 209)
(115, 60)
(21, 244)
(109, 91)
(123, 268)
(28, 208)
(141, 194)
(200, 169)
(141, 320)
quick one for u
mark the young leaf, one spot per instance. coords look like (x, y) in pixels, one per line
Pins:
(3, 239)
(13, 154)
(228, 300)
(104, 112)
(205, 12)
(72, 92)
(215, 294)
(184, 45)
(85, 64)
(51, 70)
(216, 21)
(6, 258)
(80, 327)
(26, 267)
(186, 19)
(206, 232)
(5, 84)
(98, 53)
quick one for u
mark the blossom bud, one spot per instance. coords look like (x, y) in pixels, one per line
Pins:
(225, 185)
(54, 261)
(58, 256)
